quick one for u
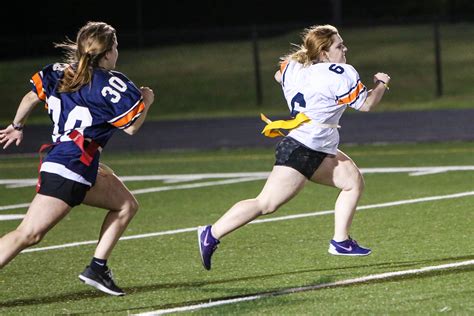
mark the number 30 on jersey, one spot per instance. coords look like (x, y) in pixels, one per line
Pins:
(119, 86)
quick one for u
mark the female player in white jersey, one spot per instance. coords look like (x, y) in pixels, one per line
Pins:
(318, 86)
(87, 101)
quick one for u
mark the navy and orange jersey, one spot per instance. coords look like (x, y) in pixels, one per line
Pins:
(322, 92)
(109, 102)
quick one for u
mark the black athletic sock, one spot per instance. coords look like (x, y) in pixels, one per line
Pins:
(99, 265)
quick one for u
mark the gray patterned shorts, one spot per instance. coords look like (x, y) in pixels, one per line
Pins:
(293, 154)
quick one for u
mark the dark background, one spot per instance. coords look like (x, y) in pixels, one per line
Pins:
(29, 28)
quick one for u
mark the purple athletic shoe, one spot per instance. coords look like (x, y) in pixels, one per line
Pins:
(348, 247)
(207, 245)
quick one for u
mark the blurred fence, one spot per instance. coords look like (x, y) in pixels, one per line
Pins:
(229, 70)
(148, 23)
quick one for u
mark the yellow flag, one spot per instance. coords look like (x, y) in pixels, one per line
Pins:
(272, 129)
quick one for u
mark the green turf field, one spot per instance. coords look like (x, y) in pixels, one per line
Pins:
(266, 260)
(217, 79)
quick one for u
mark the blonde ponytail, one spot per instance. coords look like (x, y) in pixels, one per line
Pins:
(301, 56)
(94, 40)
(316, 39)
(74, 79)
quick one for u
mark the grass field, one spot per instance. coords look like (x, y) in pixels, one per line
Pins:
(217, 79)
(263, 261)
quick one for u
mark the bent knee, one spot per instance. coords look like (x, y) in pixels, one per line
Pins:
(267, 207)
(356, 182)
(29, 238)
(131, 206)
(360, 183)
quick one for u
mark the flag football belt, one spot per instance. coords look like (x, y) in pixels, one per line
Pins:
(87, 146)
(272, 129)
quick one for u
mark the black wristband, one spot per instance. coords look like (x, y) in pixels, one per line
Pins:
(382, 82)
(18, 127)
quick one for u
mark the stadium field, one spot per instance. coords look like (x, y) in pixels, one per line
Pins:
(416, 215)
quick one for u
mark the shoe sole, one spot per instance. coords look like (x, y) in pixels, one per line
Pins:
(99, 286)
(199, 232)
(332, 250)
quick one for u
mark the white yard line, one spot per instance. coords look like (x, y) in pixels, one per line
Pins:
(10, 217)
(273, 219)
(364, 279)
(232, 177)
(194, 185)
(172, 178)
(254, 177)
(14, 206)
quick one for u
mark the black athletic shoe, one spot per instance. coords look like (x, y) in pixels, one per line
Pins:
(101, 281)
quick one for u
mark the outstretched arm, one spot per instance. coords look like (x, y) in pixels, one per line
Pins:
(375, 95)
(12, 134)
(148, 98)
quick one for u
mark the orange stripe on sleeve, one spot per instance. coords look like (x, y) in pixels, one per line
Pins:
(352, 96)
(39, 86)
(283, 65)
(130, 115)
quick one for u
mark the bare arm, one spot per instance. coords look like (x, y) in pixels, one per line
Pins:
(148, 98)
(375, 95)
(10, 134)
(277, 76)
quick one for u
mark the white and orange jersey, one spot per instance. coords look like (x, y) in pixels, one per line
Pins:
(322, 92)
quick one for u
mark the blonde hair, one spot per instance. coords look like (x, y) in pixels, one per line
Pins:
(316, 39)
(93, 41)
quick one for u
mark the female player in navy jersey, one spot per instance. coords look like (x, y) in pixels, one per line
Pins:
(87, 102)
(318, 86)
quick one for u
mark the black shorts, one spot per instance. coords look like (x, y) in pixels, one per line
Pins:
(293, 154)
(69, 191)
